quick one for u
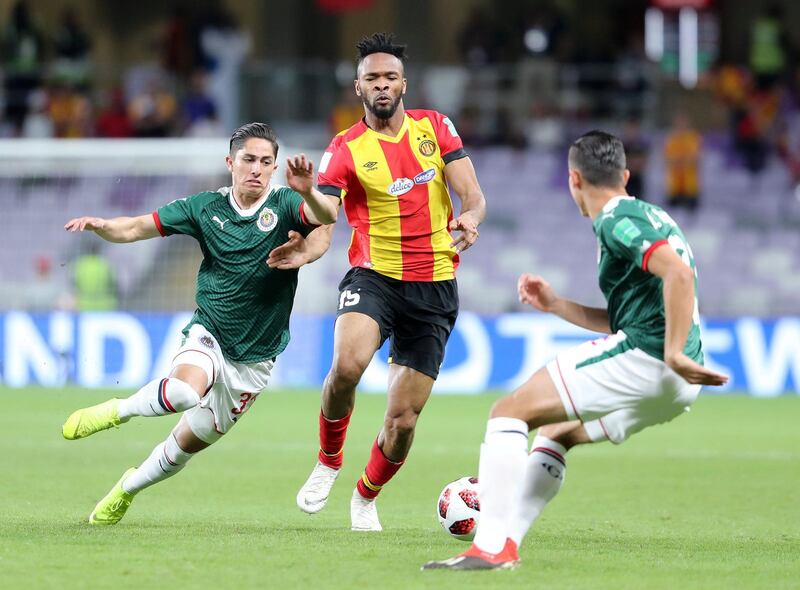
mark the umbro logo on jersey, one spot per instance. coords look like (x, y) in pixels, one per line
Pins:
(221, 223)
(370, 166)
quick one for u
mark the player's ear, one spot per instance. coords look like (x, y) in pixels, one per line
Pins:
(229, 163)
(626, 174)
(575, 179)
(358, 90)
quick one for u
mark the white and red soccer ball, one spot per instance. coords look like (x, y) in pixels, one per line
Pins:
(458, 508)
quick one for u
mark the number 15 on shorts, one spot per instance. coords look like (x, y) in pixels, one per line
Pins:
(348, 299)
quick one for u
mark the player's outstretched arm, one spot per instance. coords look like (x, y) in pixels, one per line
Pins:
(298, 250)
(461, 176)
(119, 229)
(678, 279)
(320, 209)
(535, 291)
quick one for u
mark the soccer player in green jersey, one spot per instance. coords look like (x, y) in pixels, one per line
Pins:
(648, 370)
(245, 291)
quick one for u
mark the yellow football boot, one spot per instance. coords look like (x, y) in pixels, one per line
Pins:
(113, 507)
(87, 421)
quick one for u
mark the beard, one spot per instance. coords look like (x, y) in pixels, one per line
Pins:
(382, 112)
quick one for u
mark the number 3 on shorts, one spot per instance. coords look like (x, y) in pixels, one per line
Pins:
(245, 400)
(348, 299)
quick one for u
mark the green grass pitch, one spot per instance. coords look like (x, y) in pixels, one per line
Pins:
(707, 501)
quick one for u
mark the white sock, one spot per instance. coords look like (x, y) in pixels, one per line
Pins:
(166, 460)
(158, 398)
(544, 477)
(501, 473)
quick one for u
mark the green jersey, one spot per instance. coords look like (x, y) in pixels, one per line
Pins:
(240, 300)
(628, 231)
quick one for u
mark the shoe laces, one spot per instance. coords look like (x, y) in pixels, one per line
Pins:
(320, 478)
(118, 504)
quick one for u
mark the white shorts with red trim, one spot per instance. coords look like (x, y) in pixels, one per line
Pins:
(616, 391)
(232, 387)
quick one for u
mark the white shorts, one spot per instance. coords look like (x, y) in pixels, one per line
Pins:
(616, 390)
(231, 387)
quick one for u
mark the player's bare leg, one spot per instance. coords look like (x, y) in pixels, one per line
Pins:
(356, 338)
(502, 472)
(409, 390)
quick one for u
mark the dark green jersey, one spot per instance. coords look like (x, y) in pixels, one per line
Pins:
(240, 300)
(628, 231)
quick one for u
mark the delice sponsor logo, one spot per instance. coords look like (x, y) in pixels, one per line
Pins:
(400, 187)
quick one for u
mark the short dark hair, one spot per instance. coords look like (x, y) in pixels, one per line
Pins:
(379, 43)
(248, 130)
(600, 158)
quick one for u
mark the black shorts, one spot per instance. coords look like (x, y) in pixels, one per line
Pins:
(417, 315)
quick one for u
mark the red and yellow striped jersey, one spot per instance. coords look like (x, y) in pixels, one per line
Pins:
(395, 195)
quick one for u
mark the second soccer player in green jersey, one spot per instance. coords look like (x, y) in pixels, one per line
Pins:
(646, 371)
(245, 291)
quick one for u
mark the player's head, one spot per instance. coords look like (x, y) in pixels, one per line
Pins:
(252, 158)
(596, 163)
(380, 81)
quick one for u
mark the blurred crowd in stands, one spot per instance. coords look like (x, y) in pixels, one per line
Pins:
(51, 88)
(517, 87)
(763, 100)
(761, 97)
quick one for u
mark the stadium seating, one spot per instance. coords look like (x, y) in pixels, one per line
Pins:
(745, 247)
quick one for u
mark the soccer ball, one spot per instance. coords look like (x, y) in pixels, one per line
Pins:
(458, 508)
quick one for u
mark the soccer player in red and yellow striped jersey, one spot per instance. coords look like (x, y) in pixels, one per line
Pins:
(391, 171)
(395, 196)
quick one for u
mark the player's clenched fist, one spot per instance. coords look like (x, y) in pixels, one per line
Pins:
(85, 224)
(534, 290)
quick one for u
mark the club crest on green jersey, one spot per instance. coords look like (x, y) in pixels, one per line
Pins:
(267, 220)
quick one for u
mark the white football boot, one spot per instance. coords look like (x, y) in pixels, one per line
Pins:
(363, 513)
(313, 496)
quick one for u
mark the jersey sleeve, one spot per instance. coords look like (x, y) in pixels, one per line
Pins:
(296, 207)
(178, 217)
(335, 169)
(631, 237)
(450, 144)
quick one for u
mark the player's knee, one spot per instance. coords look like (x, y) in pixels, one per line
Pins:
(401, 424)
(345, 373)
(508, 407)
(567, 434)
(195, 368)
(187, 440)
(192, 377)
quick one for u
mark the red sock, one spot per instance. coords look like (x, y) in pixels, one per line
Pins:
(331, 440)
(378, 471)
